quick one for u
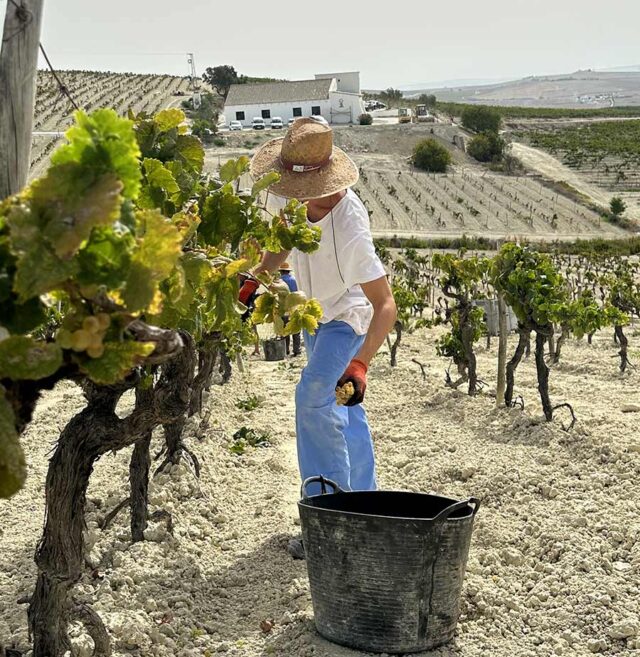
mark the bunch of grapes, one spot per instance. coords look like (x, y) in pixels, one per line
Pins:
(89, 337)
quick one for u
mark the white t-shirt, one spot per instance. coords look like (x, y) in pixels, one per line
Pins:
(346, 258)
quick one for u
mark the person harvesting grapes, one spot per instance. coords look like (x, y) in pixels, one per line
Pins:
(346, 276)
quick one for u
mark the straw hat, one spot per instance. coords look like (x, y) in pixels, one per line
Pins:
(309, 164)
(285, 266)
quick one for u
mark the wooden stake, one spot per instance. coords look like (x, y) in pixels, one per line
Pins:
(18, 69)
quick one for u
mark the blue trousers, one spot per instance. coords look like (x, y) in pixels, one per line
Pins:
(333, 441)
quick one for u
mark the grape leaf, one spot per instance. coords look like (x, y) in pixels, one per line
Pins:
(40, 271)
(223, 218)
(233, 169)
(168, 119)
(13, 468)
(190, 152)
(105, 259)
(153, 260)
(73, 218)
(102, 142)
(22, 357)
(118, 360)
(159, 176)
(266, 181)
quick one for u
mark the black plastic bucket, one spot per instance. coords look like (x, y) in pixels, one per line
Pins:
(274, 349)
(385, 567)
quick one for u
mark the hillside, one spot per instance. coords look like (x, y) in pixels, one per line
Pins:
(91, 90)
(579, 89)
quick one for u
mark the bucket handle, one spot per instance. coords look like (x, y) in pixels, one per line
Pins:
(456, 506)
(323, 481)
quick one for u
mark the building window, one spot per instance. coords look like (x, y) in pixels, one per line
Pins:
(297, 111)
(266, 114)
(315, 110)
(239, 116)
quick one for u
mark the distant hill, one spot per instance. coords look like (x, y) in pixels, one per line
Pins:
(572, 90)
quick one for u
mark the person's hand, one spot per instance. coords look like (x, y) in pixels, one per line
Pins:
(247, 289)
(356, 372)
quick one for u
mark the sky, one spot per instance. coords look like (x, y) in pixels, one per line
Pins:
(405, 43)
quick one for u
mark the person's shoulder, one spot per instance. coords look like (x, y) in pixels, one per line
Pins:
(354, 209)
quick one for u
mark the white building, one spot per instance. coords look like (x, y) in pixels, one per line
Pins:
(335, 96)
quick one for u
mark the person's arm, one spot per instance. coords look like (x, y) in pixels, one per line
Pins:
(384, 316)
(271, 262)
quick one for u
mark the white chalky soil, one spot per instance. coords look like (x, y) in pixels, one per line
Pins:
(554, 567)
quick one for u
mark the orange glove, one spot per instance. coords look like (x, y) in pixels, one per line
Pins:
(247, 289)
(356, 372)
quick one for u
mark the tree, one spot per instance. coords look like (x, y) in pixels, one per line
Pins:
(617, 207)
(391, 96)
(427, 99)
(486, 147)
(481, 119)
(365, 119)
(430, 155)
(222, 77)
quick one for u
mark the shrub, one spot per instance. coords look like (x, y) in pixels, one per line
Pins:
(431, 155)
(481, 119)
(486, 147)
(365, 119)
(205, 130)
(617, 206)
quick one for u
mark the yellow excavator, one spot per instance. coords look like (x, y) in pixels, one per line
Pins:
(404, 115)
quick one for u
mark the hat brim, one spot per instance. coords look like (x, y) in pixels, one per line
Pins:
(338, 174)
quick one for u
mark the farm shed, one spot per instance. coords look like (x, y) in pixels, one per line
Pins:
(330, 97)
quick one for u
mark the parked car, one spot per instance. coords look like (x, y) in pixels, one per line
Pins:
(235, 125)
(258, 123)
(276, 122)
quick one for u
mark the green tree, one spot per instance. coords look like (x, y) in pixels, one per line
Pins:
(427, 99)
(481, 119)
(486, 147)
(430, 155)
(222, 77)
(617, 206)
(391, 96)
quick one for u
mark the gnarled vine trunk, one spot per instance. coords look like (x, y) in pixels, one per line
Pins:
(524, 338)
(95, 431)
(622, 340)
(559, 344)
(466, 337)
(543, 375)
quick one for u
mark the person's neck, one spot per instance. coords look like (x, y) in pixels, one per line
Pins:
(319, 208)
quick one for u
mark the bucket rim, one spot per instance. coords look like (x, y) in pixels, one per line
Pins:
(470, 501)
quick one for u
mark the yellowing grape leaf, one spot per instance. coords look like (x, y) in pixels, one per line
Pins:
(156, 255)
(13, 468)
(118, 360)
(100, 143)
(22, 357)
(73, 218)
(235, 267)
(169, 118)
(159, 176)
(39, 271)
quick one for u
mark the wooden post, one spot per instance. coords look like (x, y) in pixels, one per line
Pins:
(502, 350)
(18, 70)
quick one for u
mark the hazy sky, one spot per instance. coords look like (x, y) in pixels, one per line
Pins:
(406, 42)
